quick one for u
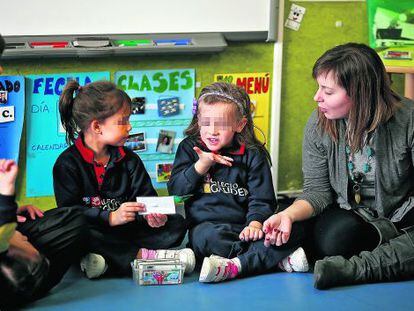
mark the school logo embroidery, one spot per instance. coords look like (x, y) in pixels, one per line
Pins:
(96, 201)
(104, 204)
(207, 184)
(225, 187)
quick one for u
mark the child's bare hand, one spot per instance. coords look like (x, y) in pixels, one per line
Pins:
(156, 220)
(8, 175)
(29, 210)
(252, 232)
(207, 159)
(125, 213)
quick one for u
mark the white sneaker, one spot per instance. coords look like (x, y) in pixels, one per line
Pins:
(295, 262)
(93, 265)
(185, 255)
(217, 269)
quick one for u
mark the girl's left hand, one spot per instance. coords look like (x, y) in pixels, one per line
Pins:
(30, 210)
(251, 233)
(156, 220)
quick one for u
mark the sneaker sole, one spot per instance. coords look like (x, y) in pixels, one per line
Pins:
(305, 263)
(189, 260)
(96, 261)
(205, 271)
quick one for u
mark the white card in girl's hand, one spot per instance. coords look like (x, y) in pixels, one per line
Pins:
(160, 205)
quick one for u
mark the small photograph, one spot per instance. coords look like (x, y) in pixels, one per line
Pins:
(165, 141)
(136, 142)
(3, 97)
(168, 106)
(138, 105)
(164, 171)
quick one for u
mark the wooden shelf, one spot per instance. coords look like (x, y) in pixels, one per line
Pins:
(409, 78)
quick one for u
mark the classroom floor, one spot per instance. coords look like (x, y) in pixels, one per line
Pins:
(276, 291)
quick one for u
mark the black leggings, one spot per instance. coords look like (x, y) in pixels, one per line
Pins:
(342, 232)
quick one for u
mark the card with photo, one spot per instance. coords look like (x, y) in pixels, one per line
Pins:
(138, 105)
(136, 142)
(3, 97)
(164, 171)
(165, 141)
(168, 106)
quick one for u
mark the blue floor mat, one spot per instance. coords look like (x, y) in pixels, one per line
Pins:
(276, 291)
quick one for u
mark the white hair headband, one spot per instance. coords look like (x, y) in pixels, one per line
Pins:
(239, 105)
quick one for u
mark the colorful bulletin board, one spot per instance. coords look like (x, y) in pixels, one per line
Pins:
(45, 136)
(161, 111)
(257, 85)
(11, 115)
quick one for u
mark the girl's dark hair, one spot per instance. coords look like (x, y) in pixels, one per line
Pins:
(79, 106)
(359, 70)
(237, 96)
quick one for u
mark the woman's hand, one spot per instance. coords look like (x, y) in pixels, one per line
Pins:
(208, 159)
(277, 229)
(156, 220)
(125, 213)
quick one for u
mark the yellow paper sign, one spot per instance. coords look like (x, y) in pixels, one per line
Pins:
(257, 85)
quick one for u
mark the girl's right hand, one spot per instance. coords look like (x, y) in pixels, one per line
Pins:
(277, 229)
(125, 213)
(207, 159)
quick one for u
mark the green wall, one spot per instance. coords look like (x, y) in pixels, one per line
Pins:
(301, 49)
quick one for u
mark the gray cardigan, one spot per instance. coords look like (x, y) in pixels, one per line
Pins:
(325, 165)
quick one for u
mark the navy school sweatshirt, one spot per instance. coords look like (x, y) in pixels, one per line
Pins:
(79, 180)
(238, 194)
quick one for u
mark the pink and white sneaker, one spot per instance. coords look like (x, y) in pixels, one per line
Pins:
(295, 262)
(217, 269)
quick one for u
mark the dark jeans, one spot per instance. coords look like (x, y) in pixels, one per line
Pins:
(62, 236)
(223, 240)
(119, 245)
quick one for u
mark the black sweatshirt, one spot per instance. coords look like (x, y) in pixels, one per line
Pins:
(8, 208)
(238, 194)
(79, 180)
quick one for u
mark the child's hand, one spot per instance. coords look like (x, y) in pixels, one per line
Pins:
(125, 213)
(207, 159)
(30, 210)
(156, 220)
(252, 232)
(8, 175)
(277, 229)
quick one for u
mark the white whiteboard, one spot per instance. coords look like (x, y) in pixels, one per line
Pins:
(84, 17)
